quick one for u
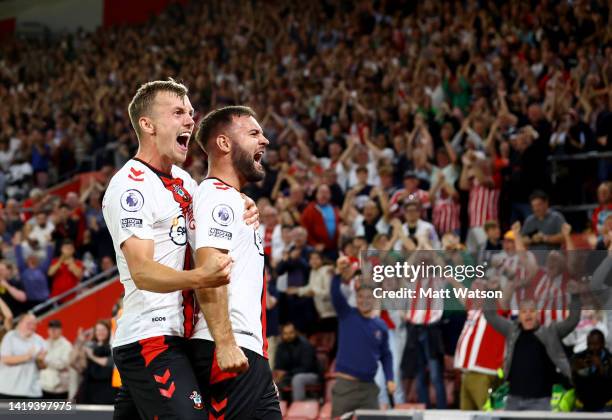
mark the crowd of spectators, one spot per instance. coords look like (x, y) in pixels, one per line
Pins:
(55, 369)
(394, 125)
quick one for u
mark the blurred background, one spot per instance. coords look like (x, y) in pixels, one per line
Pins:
(419, 125)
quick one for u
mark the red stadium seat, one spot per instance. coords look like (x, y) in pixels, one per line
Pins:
(323, 341)
(326, 411)
(303, 410)
(283, 407)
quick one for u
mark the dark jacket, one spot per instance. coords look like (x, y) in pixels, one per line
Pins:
(296, 357)
(550, 336)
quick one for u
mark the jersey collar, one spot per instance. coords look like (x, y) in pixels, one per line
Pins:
(221, 181)
(152, 168)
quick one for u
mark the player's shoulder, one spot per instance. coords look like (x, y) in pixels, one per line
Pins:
(132, 174)
(130, 186)
(215, 189)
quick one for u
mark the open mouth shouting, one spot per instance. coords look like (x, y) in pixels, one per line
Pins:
(182, 140)
(257, 158)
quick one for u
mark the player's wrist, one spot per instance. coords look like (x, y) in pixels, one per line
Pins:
(226, 342)
(193, 278)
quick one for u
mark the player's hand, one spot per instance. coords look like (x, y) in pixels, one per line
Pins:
(216, 272)
(391, 387)
(231, 358)
(251, 213)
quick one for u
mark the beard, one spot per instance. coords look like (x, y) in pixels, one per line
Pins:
(245, 165)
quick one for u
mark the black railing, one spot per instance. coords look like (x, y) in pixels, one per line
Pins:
(54, 302)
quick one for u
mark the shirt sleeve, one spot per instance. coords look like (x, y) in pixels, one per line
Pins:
(6, 349)
(128, 211)
(216, 212)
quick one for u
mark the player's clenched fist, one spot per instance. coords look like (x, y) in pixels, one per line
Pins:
(216, 271)
(231, 358)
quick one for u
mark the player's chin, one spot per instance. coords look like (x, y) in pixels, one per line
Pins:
(180, 156)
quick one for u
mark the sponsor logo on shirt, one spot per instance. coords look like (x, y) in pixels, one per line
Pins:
(218, 233)
(131, 222)
(223, 215)
(132, 200)
(158, 319)
(178, 231)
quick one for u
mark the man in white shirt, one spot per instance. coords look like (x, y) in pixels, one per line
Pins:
(55, 378)
(233, 370)
(22, 354)
(422, 233)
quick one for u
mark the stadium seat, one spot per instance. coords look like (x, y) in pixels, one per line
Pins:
(283, 407)
(303, 410)
(326, 411)
(323, 341)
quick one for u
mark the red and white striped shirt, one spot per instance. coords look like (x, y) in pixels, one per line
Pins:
(425, 310)
(480, 347)
(551, 296)
(445, 215)
(482, 205)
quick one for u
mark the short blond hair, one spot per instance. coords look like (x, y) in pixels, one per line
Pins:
(142, 101)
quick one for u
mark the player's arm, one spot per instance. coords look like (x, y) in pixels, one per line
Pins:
(214, 305)
(152, 276)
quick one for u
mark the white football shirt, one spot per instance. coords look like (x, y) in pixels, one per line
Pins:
(144, 202)
(218, 211)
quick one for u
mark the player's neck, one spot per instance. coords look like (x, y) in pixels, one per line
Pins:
(225, 173)
(154, 159)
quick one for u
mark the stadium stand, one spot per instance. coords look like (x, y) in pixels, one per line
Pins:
(421, 125)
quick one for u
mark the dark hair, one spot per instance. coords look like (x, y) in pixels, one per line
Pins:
(538, 194)
(598, 333)
(288, 324)
(218, 120)
(490, 224)
(55, 323)
(145, 95)
(106, 324)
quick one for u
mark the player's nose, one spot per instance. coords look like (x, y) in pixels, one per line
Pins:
(190, 121)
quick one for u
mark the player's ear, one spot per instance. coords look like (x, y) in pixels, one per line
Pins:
(223, 143)
(146, 125)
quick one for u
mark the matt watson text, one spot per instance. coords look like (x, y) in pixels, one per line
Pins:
(405, 293)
